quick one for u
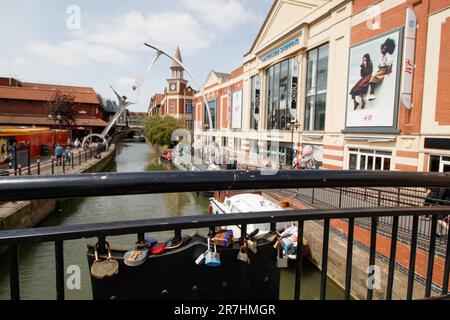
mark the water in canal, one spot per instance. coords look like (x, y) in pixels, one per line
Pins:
(37, 268)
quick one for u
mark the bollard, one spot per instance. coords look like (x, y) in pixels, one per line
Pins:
(79, 157)
(85, 155)
(53, 164)
(73, 164)
(64, 165)
(39, 167)
(29, 158)
(20, 169)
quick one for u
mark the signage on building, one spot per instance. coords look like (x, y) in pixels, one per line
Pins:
(294, 84)
(408, 58)
(281, 49)
(237, 110)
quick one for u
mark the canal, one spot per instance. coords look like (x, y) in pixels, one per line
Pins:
(37, 268)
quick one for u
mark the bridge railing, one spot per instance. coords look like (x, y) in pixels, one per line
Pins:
(111, 184)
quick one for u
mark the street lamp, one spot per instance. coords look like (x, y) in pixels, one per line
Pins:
(293, 125)
(54, 118)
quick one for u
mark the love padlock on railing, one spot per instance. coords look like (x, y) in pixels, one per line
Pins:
(212, 258)
(201, 259)
(243, 254)
(282, 260)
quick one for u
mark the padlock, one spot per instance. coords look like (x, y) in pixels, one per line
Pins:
(288, 246)
(243, 254)
(252, 245)
(278, 245)
(282, 260)
(201, 259)
(212, 258)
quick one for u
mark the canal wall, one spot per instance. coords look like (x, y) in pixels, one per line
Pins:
(27, 214)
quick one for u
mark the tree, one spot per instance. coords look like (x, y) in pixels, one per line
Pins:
(62, 105)
(159, 129)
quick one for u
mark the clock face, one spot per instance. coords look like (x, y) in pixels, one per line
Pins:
(173, 87)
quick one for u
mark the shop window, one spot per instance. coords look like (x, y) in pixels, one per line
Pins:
(282, 94)
(212, 105)
(364, 159)
(316, 88)
(439, 164)
(255, 102)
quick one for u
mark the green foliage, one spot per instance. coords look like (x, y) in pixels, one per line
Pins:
(159, 130)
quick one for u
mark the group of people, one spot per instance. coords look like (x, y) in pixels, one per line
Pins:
(64, 155)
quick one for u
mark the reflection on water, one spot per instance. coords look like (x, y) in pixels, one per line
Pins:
(37, 271)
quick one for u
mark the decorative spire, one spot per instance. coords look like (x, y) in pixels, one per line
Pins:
(178, 57)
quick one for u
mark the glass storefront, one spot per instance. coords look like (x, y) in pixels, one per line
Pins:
(213, 109)
(282, 83)
(316, 89)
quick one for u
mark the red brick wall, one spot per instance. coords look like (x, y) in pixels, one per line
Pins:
(437, 5)
(443, 91)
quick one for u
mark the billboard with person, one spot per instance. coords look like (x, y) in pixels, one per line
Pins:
(373, 83)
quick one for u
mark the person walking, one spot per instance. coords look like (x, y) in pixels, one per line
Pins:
(58, 154)
(67, 155)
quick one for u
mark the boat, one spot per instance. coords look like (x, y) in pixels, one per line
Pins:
(166, 155)
(255, 202)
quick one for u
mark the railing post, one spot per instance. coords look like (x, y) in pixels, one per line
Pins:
(71, 160)
(29, 158)
(14, 272)
(340, 198)
(79, 157)
(63, 164)
(59, 266)
(299, 260)
(313, 194)
(53, 165)
(15, 158)
(20, 169)
(39, 167)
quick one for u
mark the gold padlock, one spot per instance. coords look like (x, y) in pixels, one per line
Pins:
(278, 245)
(106, 268)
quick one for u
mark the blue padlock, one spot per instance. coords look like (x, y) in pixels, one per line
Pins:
(212, 258)
(288, 246)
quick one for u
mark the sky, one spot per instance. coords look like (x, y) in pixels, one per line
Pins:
(100, 43)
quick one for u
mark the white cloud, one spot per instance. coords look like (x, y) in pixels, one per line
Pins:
(223, 15)
(126, 82)
(76, 52)
(116, 40)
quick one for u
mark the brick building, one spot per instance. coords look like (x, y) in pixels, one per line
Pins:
(360, 84)
(177, 99)
(23, 104)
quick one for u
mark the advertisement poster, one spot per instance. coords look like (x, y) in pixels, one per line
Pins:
(311, 157)
(374, 81)
(237, 110)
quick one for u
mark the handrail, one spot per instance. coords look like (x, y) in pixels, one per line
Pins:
(110, 184)
(118, 228)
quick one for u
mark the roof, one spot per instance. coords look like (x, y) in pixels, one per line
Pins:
(178, 57)
(44, 92)
(30, 120)
(158, 98)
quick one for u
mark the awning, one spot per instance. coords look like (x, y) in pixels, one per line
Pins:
(45, 121)
(371, 139)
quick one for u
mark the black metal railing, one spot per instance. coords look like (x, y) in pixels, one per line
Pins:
(110, 184)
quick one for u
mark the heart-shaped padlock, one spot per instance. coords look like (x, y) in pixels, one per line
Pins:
(106, 268)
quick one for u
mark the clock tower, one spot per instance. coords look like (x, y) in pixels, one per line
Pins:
(176, 84)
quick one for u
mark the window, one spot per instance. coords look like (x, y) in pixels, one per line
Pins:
(255, 102)
(362, 159)
(439, 164)
(189, 107)
(224, 142)
(172, 107)
(316, 88)
(189, 124)
(212, 107)
(282, 93)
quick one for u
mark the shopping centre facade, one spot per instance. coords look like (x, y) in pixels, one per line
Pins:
(341, 84)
